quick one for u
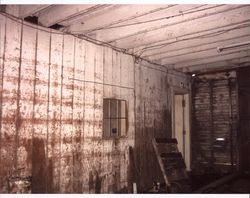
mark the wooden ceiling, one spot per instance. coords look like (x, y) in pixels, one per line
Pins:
(183, 37)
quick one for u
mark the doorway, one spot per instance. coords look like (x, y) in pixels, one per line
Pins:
(182, 125)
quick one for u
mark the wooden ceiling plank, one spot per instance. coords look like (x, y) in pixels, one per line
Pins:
(58, 13)
(115, 16)
(193, 43)
(80, 19)
(111, 35)
(206, 60)
(199, 51)
(225, 64)
(190, 27)
(29, 10)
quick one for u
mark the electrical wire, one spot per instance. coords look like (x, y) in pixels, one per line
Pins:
(182, 13)
(137, 57)
(131, 18)
(158, 46)
(97, 42)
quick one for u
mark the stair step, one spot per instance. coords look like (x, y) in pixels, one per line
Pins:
(175, 164)
(166, 140)
(171, 155)
(165, 148)
(171, 163)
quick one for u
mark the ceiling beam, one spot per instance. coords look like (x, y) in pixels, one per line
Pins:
(115, 16)
(211, 59)
(200, 51)
(59, 13)
(225, 64)
(187, 28)
(193, 42)
(29, 10)
(82, 18)
(180, 13)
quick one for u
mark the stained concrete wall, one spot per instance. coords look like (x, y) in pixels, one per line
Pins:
(52, 87)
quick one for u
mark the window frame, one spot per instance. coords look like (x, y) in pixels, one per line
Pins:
(109, 118)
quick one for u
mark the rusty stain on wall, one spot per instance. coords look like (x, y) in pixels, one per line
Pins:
(51, 125)
(51, 97)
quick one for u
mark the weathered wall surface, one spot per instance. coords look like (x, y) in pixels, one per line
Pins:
(51, 92)
(215, 115)
(51, 97)
(154, 89)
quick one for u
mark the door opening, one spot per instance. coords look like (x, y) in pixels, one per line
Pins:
(182, 125)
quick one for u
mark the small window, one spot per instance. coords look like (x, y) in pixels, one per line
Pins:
(114, 118)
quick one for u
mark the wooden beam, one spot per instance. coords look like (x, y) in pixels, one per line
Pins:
(59, 13)
(115, 16)
(80, 20)
(224, 18)
(29, 10)
(206, 60)
(224, 64)
(192, 42)
(111, 35)
(199, 52)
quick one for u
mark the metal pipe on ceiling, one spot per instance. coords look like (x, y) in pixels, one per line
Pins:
(220, 49)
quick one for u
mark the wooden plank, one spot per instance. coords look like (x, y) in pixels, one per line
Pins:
(89, 116)
(218, 65)
(67, 97)
(26, 102)
(2, 57)
(98, 118)
(9, 101)
(131, 98)
(39, 157)
(231, 16)
(181, 13)
(78, 115)
(54, 112)
(160, 163)
(107, 71)
(191, 44)
(28, 10)
(122, 13)
(124, 92)
(98, 91)
(89, 90)
(231, 58)
(116, 78)
(200, 51)
(58, 13)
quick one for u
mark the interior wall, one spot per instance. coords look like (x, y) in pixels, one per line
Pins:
(51, 97)
(52, 87)
(214, 122)
(154, 89)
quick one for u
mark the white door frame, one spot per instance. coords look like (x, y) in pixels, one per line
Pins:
(187, 150)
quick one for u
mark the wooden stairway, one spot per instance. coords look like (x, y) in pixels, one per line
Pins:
(172, 165)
